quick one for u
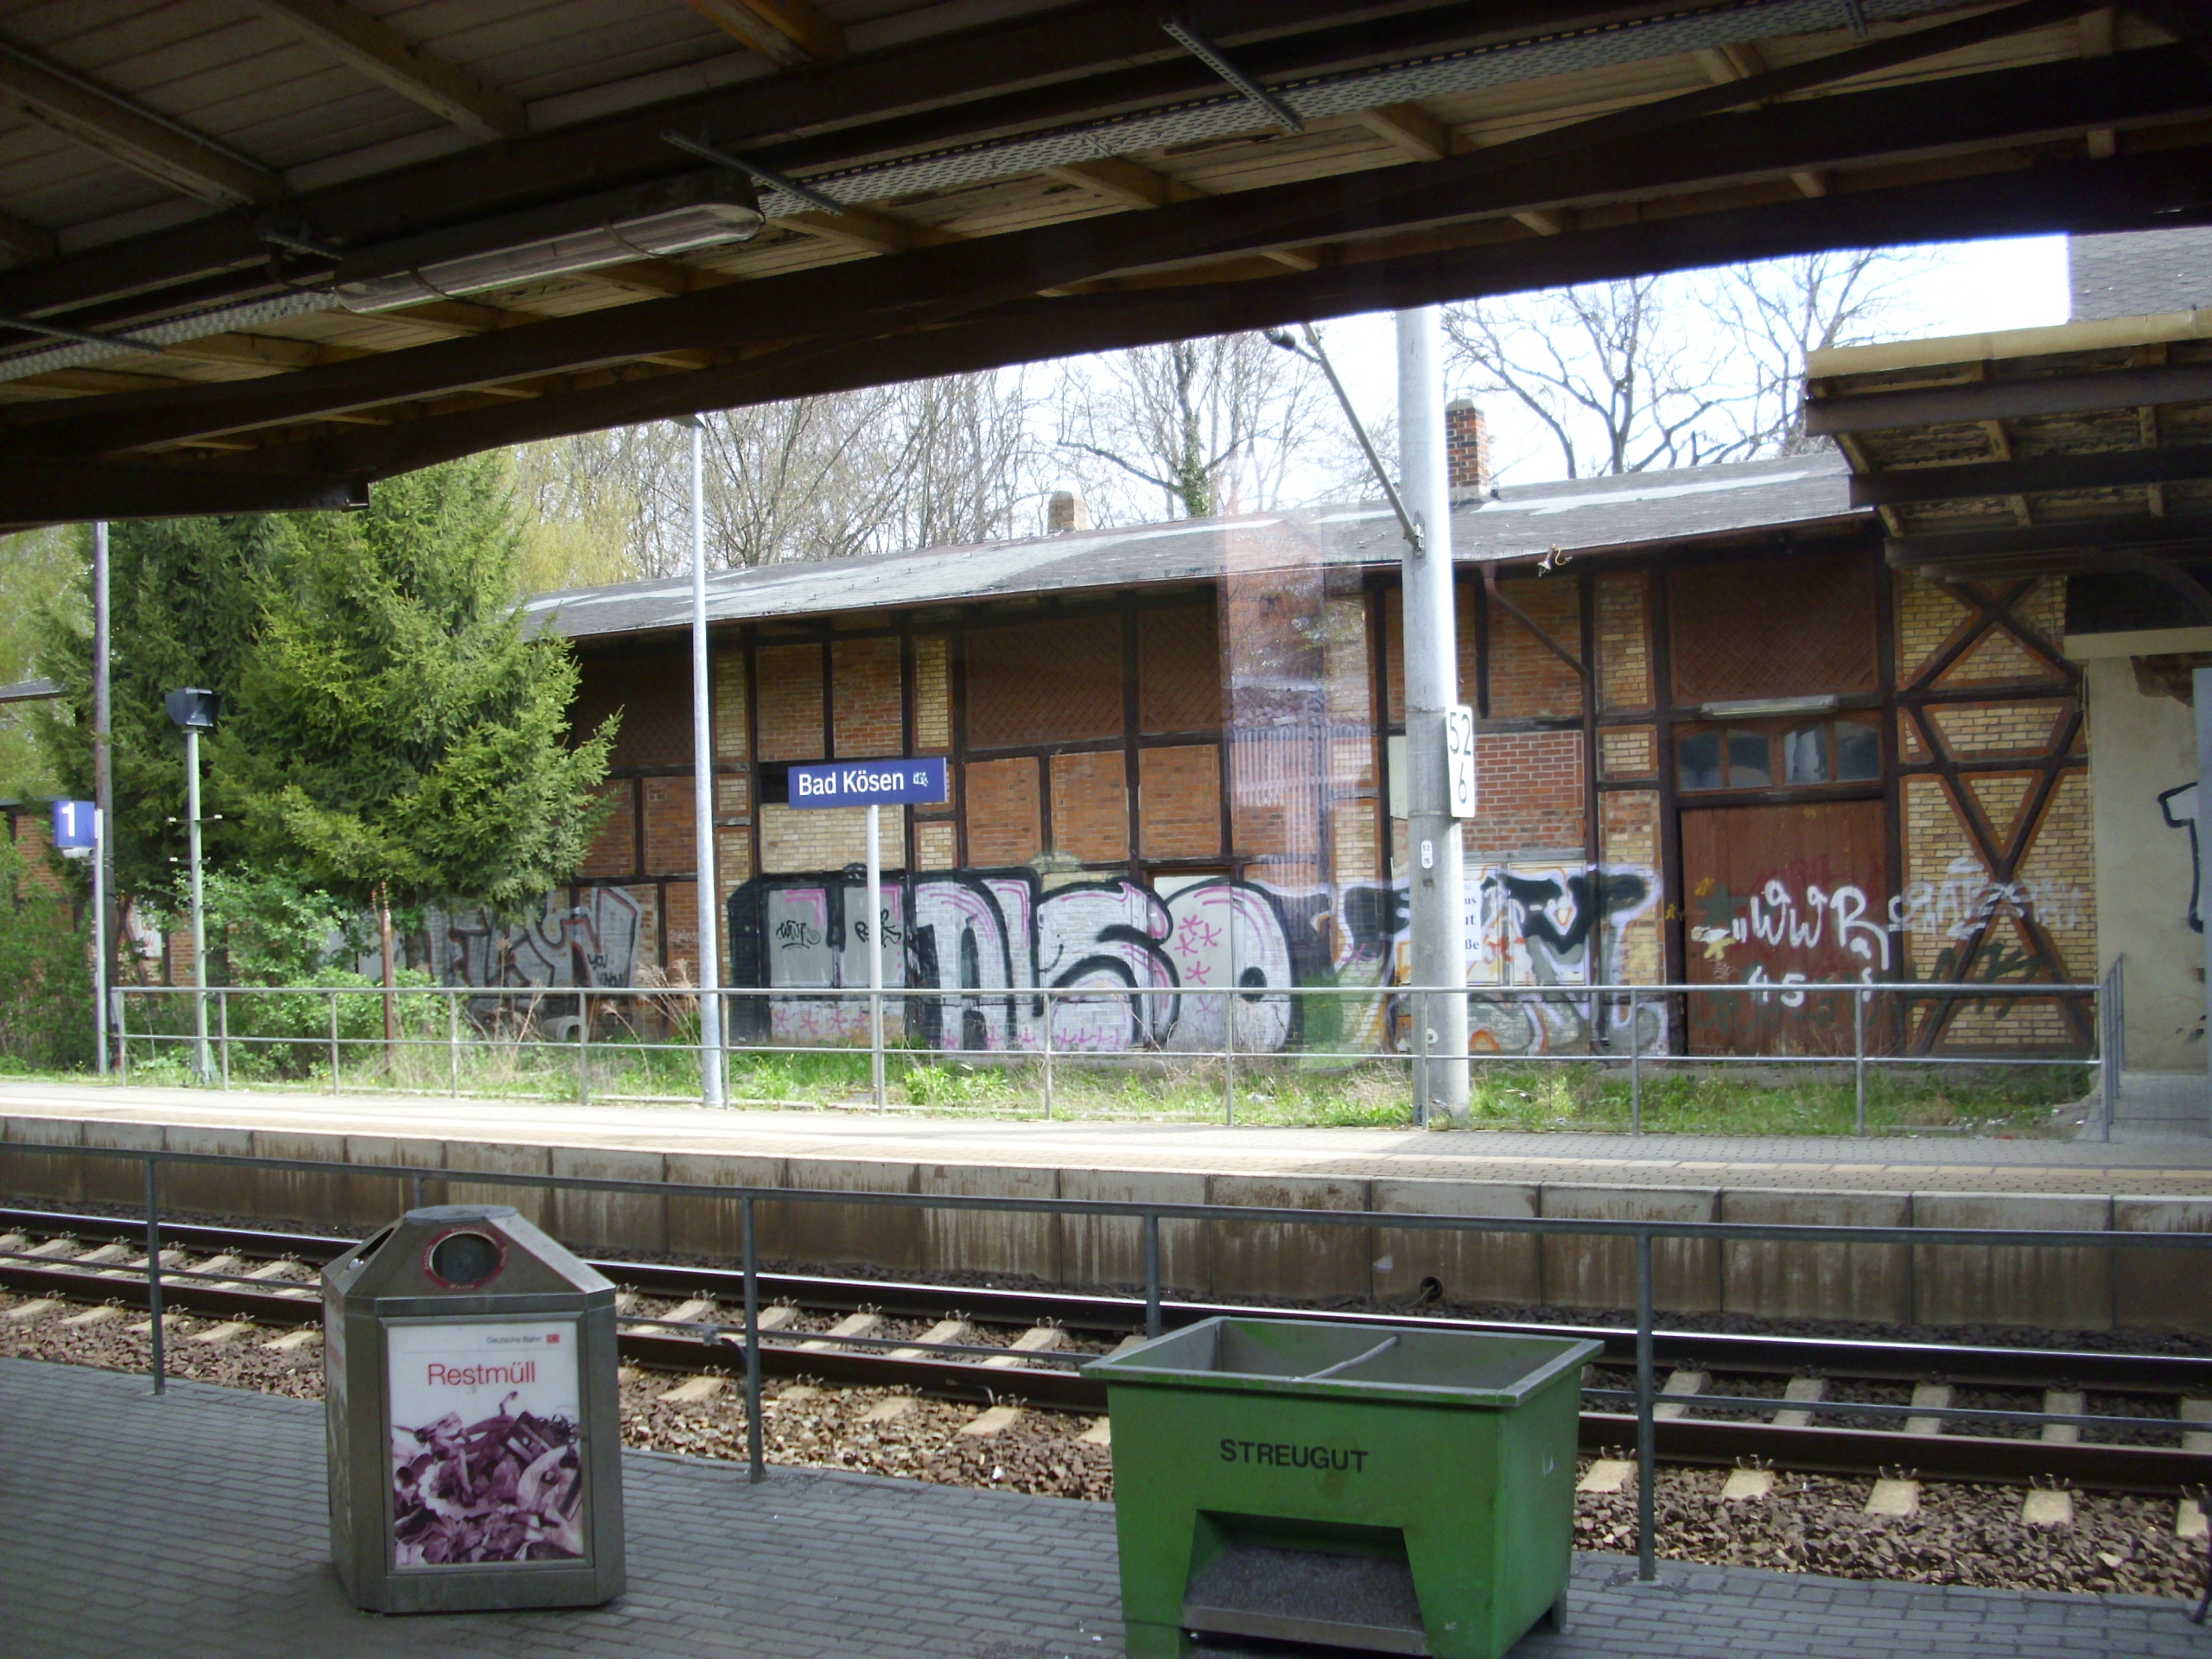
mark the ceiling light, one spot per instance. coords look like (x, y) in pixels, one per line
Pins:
(677, 215)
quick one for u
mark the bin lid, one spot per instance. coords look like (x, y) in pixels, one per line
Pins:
(1410, 1364)
(477, 1252)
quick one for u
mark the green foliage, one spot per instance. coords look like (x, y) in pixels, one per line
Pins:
(396, 732)
(185, 598)
(36, 570)
(46, 998)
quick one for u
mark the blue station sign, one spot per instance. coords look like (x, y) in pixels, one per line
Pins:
(869, 783)
(72, 825)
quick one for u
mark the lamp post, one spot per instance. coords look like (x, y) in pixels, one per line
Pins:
(195, 709)
(702, 784)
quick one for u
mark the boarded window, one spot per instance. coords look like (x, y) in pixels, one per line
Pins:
(791, 702)
(1045, 682)
(1003, 827)
(1091, 805)
(1179, 670)
(1178, 793)
(653, 695)
(1772, 627)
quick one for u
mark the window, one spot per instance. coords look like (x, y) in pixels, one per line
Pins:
(1759, 757)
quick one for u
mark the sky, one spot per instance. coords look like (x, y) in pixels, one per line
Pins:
(1966, 288)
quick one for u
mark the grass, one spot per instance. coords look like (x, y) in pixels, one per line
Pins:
(1688, 1098)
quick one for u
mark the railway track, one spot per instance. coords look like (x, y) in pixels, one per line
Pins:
(2102, 1420)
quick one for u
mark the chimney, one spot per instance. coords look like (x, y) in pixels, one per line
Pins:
(1466, 448)
(1066, 511)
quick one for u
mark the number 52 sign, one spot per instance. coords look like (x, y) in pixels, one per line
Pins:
(1459, 759)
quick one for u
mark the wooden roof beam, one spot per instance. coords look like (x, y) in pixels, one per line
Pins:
(2008, 400)
(24, 239)
(1722, 64)
(2085, 534)
(386, 56)
(147, 144)
(787, 33)
(2040, 475)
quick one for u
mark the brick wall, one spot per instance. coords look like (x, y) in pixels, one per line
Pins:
(791, 702)
(932, 694)
(1091, 806)
(1178, 801)
(868, 712)
(1526, 676)
(727, 675)
(671, 837)
(801, 840)
(1003, 820)
(614, 851)
(1625, 641)
(1531, 786)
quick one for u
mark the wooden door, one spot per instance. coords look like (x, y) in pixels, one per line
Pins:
(1783, 895)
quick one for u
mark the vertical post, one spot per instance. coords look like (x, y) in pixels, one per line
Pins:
(2108, 1048)
(2201, 684)
(333, 1042)
(583, 1047)
(103, 780)
(754, 1471)
(452, 1038)
(1634, 1067)
(1859, 1063)
(703, 785)
(1151, 1275)
(199, 1061)
(1647, 1478)
(1044, 992)
(875, 956)
(122, 1039)
(99, 940)
(1417, 1008)
(154, 1270)
(1229, 1023)
(223, 1030)
(1438, 879)
(419, 1185)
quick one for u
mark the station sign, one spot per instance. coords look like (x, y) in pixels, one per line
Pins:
(869, 783)
(76, 827)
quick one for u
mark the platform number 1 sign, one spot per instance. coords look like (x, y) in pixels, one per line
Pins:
(75, 827)
(1459, 759)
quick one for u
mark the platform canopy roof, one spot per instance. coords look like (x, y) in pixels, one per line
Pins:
(2084, 447)
(267, 252)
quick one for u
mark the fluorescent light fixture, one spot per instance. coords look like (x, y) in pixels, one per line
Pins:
(1762, 708)
(671, 216)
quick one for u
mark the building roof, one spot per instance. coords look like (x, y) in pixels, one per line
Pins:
(2139, 273)
(1607, 516)
(2030, 452)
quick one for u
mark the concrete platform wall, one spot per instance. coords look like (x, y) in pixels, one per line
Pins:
(2082, 1289)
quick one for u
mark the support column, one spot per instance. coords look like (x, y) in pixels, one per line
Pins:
(103, 792)
(702, 787)
(2201, 685)
(1437, 878)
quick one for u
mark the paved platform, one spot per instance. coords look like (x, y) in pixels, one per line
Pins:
(2172, 1166)
(192, 1527)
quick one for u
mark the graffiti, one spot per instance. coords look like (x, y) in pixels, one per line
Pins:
(1963, 903)
(1775, 916)
(1188, 966)
(2178, 806)
(594, 942)
(1555, 925)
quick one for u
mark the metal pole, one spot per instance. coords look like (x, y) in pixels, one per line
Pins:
(154, 1269)
(583, 1048)
(199, 1061)
(875, 954)
(223, 1030)
(1859, 1062)
(1229, 1023)
(2202, 686)
(1647, 1479)
(754, 1471)
(1044, 993)
(2108, 1008)
(1438, 888)
(102, 779)
(333, 1042)
(703, 785)
(1635, 1069)
(122, 1039)
(1151, 1275)
(452, 1038)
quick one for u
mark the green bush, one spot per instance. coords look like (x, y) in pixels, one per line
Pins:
(46, 988)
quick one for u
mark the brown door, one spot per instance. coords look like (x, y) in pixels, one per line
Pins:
(1786, 896)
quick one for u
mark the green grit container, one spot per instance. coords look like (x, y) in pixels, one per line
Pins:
(1394, 1488)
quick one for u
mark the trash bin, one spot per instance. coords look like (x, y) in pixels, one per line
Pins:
(1393, 1488)
(474, 1428)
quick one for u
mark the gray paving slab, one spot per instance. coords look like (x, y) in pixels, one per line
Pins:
(192, 1527)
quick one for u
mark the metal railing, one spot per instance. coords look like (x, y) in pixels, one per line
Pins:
(1149, 1217)
(1046, 1026)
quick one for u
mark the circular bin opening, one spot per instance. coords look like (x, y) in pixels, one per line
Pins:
(464, 1258)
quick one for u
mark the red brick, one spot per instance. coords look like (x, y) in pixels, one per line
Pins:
(1091, 806)
(1178, 796)
(1002, 812)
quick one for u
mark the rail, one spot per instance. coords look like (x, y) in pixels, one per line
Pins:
(1631, 1027)
(1149, 1217)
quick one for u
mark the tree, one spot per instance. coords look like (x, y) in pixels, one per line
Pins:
(399, 738)
(1213, 424)
(187, 600)
(36, 570)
